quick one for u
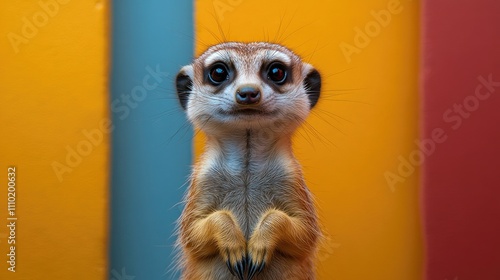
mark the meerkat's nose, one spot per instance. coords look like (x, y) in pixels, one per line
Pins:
(247, 95)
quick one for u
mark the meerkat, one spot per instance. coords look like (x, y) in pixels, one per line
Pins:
(248, 213)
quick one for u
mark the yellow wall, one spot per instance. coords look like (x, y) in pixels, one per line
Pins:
(53, 91)
(366, 118)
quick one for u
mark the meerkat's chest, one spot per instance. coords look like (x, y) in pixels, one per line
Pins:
(248, 190)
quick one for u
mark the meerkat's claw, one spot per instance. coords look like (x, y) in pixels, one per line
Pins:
(230, 267)
(255, 268)
(236, 270)
(251, 272)
(258, 254)
(240, 269)
(262, 266)
(236, 262)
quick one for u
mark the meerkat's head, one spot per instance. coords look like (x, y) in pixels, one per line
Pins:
(248, 85)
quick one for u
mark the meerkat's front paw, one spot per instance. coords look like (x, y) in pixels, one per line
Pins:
(233, 253)
(259, 253)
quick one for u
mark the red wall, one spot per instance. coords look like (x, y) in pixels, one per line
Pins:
(461, 177)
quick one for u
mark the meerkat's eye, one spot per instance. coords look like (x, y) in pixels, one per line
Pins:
(277, 73)
(218, 74)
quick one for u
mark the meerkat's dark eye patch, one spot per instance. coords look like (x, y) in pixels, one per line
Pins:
(218, 73)
(184, 86)
(277, 72)
(312, 84)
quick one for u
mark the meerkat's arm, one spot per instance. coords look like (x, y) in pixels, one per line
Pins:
(208, 233)
(276, 229)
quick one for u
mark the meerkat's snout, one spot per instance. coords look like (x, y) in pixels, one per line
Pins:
(248, 95)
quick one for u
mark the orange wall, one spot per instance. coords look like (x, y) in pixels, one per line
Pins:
(53, 91)
(365, 120)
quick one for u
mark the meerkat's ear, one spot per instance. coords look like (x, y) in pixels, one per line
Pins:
(312, 84)
(184, 84)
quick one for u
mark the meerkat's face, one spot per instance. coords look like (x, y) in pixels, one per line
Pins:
(254, 85)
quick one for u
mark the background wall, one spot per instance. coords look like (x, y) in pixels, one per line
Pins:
(152, 140)
(461, 101)
(53, 91)
(360, 147)
(355, 142)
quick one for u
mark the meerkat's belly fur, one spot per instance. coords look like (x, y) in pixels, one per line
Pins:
(248, 214)
(248, 185)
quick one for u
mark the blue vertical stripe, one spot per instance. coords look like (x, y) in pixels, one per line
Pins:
(152, 142)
